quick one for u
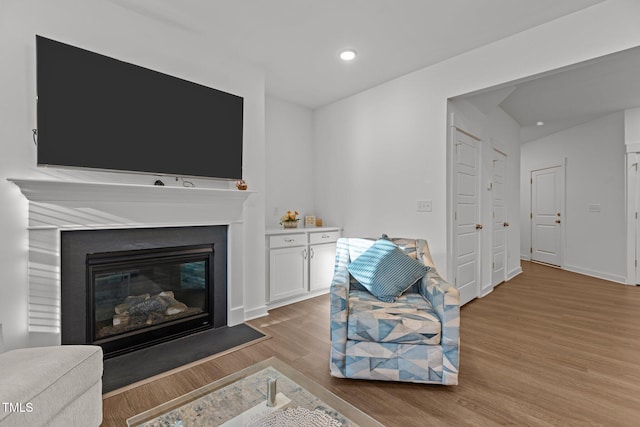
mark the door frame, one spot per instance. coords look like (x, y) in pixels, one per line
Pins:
(561, 163)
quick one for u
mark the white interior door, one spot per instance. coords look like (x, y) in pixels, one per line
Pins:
(547, 200)
(466, 216)
(500, 224)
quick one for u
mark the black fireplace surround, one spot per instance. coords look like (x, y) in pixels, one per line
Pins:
(126, 289)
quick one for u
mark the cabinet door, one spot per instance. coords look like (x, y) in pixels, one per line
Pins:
(322, 262)
(288, 272)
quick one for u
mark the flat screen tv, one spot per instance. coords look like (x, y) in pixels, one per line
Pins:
(98, 112)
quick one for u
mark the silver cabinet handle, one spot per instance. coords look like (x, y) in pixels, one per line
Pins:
(326, 236)
(289, 240)
(312, 252)
(304, 254)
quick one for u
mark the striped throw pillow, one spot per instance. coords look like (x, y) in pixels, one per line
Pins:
(386, 271)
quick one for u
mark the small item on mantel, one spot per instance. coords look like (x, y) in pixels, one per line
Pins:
(318, 222)
(241, 184)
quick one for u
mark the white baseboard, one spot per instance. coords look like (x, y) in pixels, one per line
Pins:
(513, 273)
(256, 313)
(236, 316)
(281, 303)
(485, 292)
(597, 274)
(525, 257)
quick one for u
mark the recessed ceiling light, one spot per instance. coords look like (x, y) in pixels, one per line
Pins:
(540, 124)
(348, 55)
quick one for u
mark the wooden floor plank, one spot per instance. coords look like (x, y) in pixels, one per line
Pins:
(548, 348)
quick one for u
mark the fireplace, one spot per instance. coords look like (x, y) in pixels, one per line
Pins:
(126, 289)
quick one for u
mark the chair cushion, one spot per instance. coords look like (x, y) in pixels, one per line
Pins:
(386, 271)
(409, 320)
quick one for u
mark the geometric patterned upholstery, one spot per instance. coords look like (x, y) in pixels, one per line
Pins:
(414, 339)
(408, 320)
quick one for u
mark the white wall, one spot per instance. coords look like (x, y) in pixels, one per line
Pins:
(108, 28)
(386, 147)
(497, 130)
(595, 175)
(289, 159)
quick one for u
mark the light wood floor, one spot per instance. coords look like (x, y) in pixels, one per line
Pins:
(548, 348)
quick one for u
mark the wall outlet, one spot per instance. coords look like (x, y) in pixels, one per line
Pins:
(423, 206)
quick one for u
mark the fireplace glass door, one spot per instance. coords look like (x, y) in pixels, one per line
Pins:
(146, 295)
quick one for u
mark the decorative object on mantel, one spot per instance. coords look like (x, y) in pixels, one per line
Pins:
(290, 219)
(241, 184)
(318, 222)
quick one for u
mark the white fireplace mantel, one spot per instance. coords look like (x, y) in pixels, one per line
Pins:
(56, 206)
(50, 191)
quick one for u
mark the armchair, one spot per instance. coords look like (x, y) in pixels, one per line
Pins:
(413, 339)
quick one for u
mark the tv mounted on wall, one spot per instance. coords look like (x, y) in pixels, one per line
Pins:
(98, 112)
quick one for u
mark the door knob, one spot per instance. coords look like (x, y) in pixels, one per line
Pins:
(557, 221)
(478, 226)
(506, 224)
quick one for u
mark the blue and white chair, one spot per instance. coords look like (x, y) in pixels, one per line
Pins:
(403, 334)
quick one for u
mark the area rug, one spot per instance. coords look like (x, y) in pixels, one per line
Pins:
(121, 371)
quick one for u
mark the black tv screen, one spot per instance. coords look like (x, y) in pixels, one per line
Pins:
(98, 112)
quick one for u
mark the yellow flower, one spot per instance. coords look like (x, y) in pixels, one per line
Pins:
(290, 216)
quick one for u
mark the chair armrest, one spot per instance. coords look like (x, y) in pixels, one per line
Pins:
(445, 300)
(339, 294)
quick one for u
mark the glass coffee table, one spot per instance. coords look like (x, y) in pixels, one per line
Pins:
(240, 399)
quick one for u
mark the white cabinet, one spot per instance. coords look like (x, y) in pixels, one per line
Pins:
(301, 263)
(321, 263)
(288, 270)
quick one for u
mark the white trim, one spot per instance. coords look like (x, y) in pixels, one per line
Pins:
(235, 316)
(597, 274)
(70, 192)
(513, 273)
(633, 147)
(255, 313)
(306, 296)
(525, 257)
(482, 295)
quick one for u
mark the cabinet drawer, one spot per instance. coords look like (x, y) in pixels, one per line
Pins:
(287, 240)
(324, 237)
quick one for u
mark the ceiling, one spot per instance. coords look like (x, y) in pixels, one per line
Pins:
(297, 42)
(567, 97)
